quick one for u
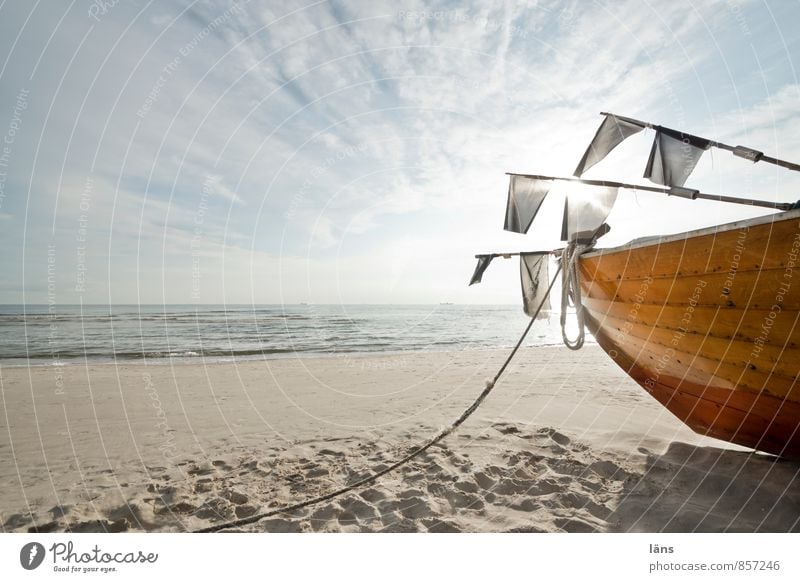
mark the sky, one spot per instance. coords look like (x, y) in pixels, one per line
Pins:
(355, 152)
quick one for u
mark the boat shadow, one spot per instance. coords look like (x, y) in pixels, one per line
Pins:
(708, 489)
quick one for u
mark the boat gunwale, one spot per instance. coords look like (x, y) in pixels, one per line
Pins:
(649, 241)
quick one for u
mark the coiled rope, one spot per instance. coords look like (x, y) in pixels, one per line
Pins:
(416, 452)
(571, 293)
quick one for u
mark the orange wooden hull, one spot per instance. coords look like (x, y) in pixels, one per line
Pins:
(708, 322)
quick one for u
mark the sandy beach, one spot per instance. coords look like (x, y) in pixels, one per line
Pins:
(566, 442)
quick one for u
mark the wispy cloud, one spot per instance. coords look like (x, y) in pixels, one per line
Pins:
(330, 141)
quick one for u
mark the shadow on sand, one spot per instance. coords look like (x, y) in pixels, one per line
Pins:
(707, 489)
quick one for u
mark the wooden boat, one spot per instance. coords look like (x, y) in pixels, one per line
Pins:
(708, 323)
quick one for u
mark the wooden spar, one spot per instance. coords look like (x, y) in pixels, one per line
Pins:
(738, 151)
(673, 191)
(509, 255)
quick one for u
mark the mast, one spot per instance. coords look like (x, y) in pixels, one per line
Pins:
(678, 191)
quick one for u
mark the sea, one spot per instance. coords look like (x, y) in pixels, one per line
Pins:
(73, 334)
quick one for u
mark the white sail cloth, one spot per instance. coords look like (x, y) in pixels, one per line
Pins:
(480, 269)
(586, 209)
(525, 197)
(673, 157)
(612, 132)
(534, 278)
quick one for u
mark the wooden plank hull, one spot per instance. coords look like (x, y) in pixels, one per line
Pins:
(708, 322)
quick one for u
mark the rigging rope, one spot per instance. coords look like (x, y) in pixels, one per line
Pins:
(419, 450)
(571, 293)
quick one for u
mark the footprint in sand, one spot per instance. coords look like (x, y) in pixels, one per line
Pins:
(316, 472)
(413, 476)
(568, 466)
(574, 525)
(245, 511)
(179, 508)
(203, 486)
(282, 526)
(508, 486)
(98, 526)
(323, 515)
(390, 517)
(253, 467)
(235, 497)
(204, 468)
(526, 505)
(544, 486)
(524, 458)
(409, 493)
(438, 526)
(44, 528)
(506, 428)
(556, 436)
(132, 514)
(437, 489)
(59, 511)
(358, 508)
(16, 520)
(403, 526)
(484, 481)
(466, 487)
(524, 474)
(372, 495)
(527, 529)
(162, 490)
(216, 509)
(414, 507)
(460, 500)
(354, 476)
(347, 518)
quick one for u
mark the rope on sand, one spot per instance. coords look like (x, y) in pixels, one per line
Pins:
(416, 452)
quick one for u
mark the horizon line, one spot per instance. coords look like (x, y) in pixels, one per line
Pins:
(298, 304)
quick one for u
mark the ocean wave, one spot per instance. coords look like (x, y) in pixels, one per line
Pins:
(105, 333)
